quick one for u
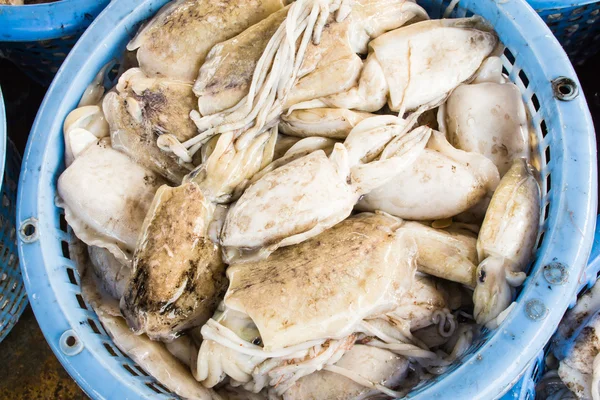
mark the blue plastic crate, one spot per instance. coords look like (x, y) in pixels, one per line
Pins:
(576, 24)
(565, 141)
(525, 388)
(38, 37)
(12, 291)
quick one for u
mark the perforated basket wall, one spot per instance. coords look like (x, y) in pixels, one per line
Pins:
(12, 291)
(564, 138)
(38, 37)
(525, 389)
(576, 24)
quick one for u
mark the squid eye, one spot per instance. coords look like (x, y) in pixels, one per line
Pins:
(481, 275)
(257, 341)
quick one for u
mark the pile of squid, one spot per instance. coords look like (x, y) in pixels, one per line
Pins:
(573, 359)
(325, 199)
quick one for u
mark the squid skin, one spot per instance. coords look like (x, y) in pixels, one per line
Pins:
(506, 241)
(178, 274)
(168, 44)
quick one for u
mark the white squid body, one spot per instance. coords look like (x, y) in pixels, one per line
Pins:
(327, 307)
(575, 320)
(83, 126)
(373, 364)
(112, 273)
(315, 285)
(580, 370)
(310, 194)
(427, 296)
(333, 123)
(417, 65)
(154, 358)
(329, 67)
(168, 44)
(140, 109)
(488, 117)
(441, 183)
(110, 212)
(506, 240)
(214, 360)
(333, 65)
(185, 350)
(449, 254)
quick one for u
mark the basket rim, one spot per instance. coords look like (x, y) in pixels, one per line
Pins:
(557, 344)
(576, 202)
(3, 136)
(543, 5)
(35, 22)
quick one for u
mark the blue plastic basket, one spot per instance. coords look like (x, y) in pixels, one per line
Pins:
(525, 388)
(12, 291)
(38, 37)
(576, 24)
(565, 141)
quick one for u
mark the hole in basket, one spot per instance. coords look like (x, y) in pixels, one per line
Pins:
(62, 222)
(509, 56)
(541, 241)
(524, 78)
(93, 325)
(554, 17)
(548, 183)
(151, 386)
(28, 230)
(162, 387)
(544, 128)
(81, 302)
(536, 372)
(4, 304)
(536, 103)
(504, 70)
(547, 153)
(141, 370)
(112, 74)
(65, 249)
(71, 341)
(71, 275)
(565, 89)
(546, 211)
(130, 370)
(110, 350)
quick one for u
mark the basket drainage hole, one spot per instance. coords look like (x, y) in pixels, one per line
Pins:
(69, 343)
(565, 89)
(29, 231)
